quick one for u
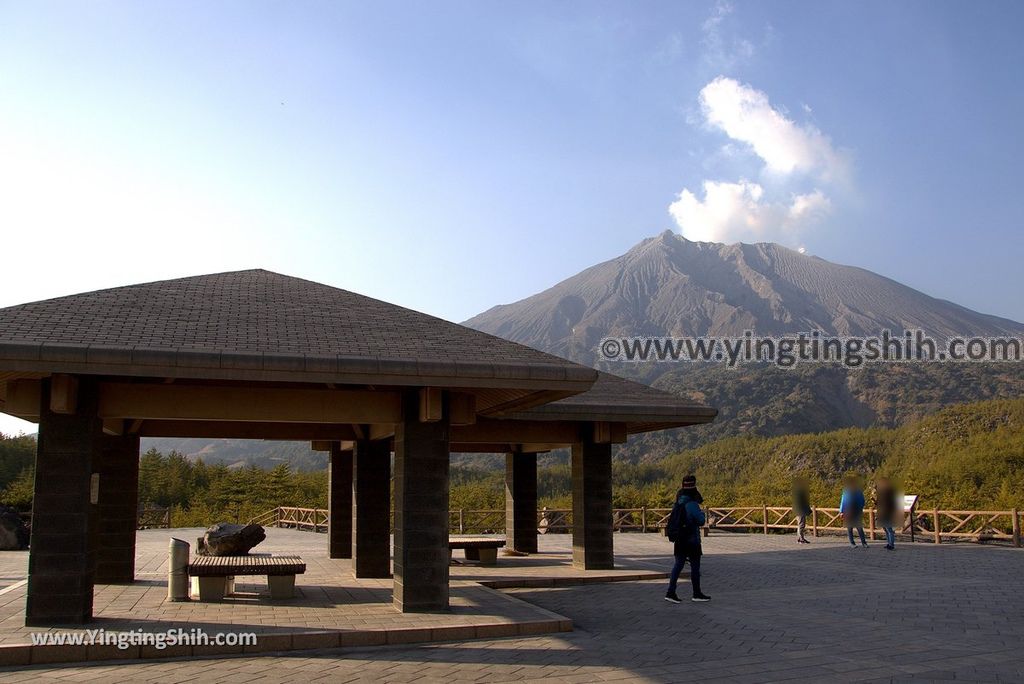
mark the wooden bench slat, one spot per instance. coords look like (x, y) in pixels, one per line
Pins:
(213, 566)
(475, 543)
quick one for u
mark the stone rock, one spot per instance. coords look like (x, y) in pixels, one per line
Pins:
(14, 533)
(228, 539)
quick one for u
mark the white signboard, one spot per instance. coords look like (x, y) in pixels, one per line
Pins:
(909, 501)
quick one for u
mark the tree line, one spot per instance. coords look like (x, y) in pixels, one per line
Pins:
(965, 457)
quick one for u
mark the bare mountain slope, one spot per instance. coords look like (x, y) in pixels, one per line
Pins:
(667, 285)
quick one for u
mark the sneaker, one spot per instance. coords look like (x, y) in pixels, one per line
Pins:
(672, 598)
(700, 598)
(864, 544)
(853, 546)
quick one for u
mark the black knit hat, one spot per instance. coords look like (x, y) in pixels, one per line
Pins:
(689, 481)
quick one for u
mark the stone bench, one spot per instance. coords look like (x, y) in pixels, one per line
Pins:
(481, 549)
(213, 577)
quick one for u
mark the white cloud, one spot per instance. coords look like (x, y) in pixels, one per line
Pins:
(746, 115)
(719, 50)
(794, 163)
(809, 208)
(733, 212)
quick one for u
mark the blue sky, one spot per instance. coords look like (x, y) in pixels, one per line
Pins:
(449, 156)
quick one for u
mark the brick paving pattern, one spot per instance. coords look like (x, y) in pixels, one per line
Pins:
(781, 612)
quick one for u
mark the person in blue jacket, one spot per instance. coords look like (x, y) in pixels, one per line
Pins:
(684, 531)
(851, 506)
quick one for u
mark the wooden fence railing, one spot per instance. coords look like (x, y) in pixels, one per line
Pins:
(934, 526)
(313, 519)
(154, 518)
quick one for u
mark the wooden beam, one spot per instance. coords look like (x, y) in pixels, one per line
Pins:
(539, 448)
(502, 448)
(382, 431)
(298, 432)
(527, 401)
(462, 407)
(609, 433)
(490, 431)
(321, 445)
(23, 398)
(431, 404)
(63, 394)
(114, 427)
(247, 404)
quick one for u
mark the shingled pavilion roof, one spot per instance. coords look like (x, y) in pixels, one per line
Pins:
(259, 326)
(264, 326)
(615, 399)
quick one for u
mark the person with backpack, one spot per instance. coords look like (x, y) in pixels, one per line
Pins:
(889, 510)
(683, 530)
(801, 507)
(851, 507)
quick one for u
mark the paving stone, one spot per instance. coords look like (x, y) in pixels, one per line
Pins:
(781, 612)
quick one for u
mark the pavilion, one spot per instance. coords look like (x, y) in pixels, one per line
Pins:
(258, 355)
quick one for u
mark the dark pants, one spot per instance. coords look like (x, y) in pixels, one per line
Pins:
(682, 555)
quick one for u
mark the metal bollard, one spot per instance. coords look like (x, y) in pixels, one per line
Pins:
(177, 570)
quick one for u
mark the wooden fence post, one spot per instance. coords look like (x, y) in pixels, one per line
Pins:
(643, 519)
(814, 520)
(938, 528)
(764, 512)
(462, 521)
(871, 524)
(1016, 528)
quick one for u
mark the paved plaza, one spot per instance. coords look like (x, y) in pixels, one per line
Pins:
(781, 612)
(331, 606)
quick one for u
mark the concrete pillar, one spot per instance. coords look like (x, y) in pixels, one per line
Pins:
(339, 503)
(592, 506)
(521, 502)
(62, 556)
(371, 514)
(117, 464)
(421, 509)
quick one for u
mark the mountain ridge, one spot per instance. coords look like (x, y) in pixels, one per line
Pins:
(669, 286)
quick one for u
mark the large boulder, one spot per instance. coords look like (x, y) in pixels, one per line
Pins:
(228, 539)
(14, 533)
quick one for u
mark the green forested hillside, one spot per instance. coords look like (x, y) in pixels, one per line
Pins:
(969, 456)
(771, 401)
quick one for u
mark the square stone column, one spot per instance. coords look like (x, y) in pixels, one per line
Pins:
(371, 514)
(521, 502)
(117, 465)
(421, 509)
(592, 506)
(62, 555)
(339, 503)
